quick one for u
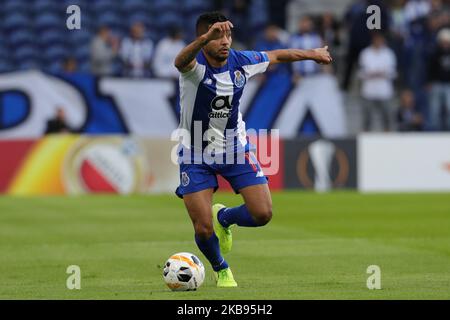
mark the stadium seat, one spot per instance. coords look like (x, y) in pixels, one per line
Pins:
(163, 6)
(79, 36)
(189, 29)
(167, 19)
(29, 64)
(83, 4)
(52, 36)
(140, 17)
(119, 31)
(104, 5)
(6, 66)
(84, 67)
(15, 6)
(109, 19)
(25, 53)
(55, 53)
(54, 66)
(195, 6)
(259, 17)
(82, 52)
(21, 37)
(132, 6)
(47, 21)
(15, 21)
(40, 6)
(4, 52)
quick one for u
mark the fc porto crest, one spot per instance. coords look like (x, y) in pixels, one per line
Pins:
(239, 79)
(184, 179)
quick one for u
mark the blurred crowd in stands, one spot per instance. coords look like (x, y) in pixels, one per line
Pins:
(410, 56)
(401, 72)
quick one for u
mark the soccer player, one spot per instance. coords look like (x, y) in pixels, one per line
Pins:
(212, 78)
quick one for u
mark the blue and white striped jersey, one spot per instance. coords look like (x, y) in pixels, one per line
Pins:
(210, 97)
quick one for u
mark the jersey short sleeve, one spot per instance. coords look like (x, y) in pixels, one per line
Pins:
(253, 62)
(195, 74)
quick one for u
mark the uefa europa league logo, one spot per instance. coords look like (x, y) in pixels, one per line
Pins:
(322, 153)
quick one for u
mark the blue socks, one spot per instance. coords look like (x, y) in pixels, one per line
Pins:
(237, 215)
(210, 248)
(227, 216)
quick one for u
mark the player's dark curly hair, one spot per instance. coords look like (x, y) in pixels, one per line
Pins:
(207, 19)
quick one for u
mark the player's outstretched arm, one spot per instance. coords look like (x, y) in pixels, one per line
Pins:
(185, 60)
(319, 55)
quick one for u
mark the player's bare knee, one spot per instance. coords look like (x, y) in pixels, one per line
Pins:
(263, 215)
(203, 230)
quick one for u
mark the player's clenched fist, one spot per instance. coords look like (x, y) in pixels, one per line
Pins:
(218, 30)
(322, 56)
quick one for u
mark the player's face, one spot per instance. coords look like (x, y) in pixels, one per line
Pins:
(219, 49)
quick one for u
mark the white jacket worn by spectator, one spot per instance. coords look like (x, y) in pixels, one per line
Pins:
(136, 52)
(377, 72)
(165, 54)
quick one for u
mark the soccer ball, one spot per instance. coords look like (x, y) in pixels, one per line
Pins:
(184, 272)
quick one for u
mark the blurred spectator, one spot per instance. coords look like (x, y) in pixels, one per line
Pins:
(306, 39)
(439, 79)
(408, 117)
(277, 12)
(165, 54)
(329, 30)
(271, 40)
(70, 65)
(399, 24)
(416, 9)
(359, 35)
(355, 20)
(377, 70)
(417, 43)
(398, 35)
(104, 48)
(238, 12)
(411, 28)
(58, 123)
(136, 52)
(439, 17)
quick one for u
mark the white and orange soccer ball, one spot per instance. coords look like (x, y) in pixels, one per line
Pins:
(184, 272)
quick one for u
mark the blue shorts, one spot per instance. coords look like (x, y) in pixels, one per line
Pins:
(197, 177)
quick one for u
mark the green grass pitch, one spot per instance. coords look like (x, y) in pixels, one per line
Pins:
(318, 246)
